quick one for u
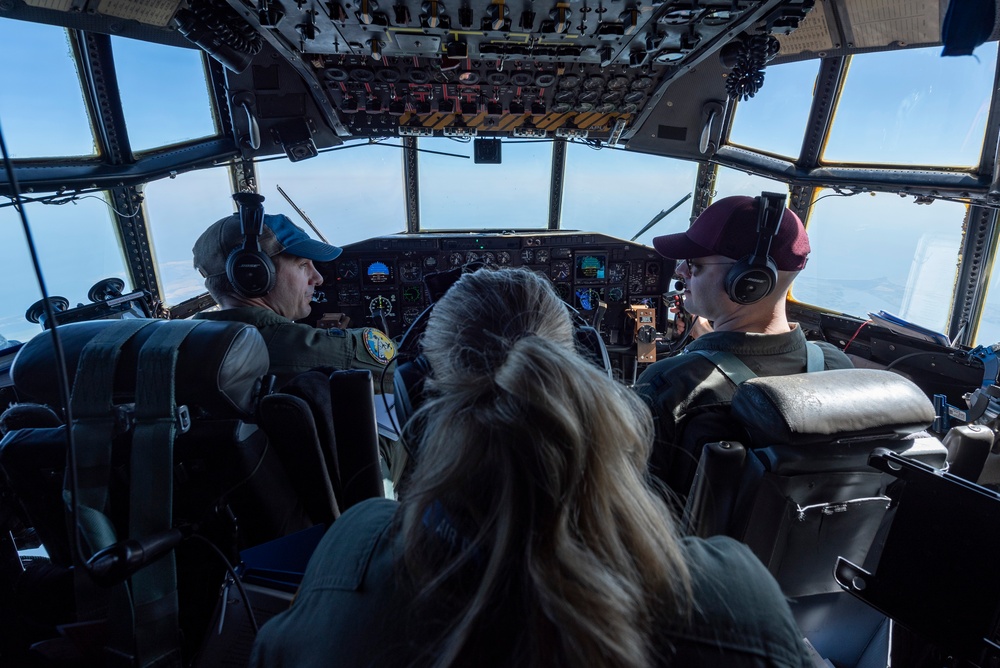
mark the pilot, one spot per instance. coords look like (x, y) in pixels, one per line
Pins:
(689, 394)
(528, 534)
(293, 347)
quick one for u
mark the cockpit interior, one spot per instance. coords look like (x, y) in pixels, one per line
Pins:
(558, 135)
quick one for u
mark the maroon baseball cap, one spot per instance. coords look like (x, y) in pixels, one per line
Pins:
(729, 227)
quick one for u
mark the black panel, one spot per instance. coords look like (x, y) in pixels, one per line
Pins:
(387, 273)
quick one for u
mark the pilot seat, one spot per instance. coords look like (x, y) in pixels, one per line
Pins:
(182, 454)
(800, 493)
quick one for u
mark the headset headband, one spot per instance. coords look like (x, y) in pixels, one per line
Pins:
(770, 211)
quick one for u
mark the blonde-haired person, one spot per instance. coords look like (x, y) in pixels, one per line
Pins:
(528, 535)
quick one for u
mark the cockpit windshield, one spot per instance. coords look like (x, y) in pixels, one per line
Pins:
(883, 129)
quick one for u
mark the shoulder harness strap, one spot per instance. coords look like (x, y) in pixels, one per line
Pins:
(815, 360)
(737, 372)
(729, 364)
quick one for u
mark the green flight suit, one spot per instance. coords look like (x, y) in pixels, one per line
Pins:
(294, 347)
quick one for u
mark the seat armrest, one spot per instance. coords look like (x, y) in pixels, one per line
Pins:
(713, 492)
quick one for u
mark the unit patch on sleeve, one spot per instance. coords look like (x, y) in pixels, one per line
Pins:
(378, 345)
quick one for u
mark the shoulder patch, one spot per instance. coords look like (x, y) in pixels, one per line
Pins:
(378, 345)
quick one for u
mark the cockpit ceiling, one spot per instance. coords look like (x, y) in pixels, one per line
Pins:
(569, 68)
(500, 68)
(491, 67)
(864, 25)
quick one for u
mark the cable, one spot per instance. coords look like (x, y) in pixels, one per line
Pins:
(367, 143)
(58, 198)
(236, 580)
(61, 375)
(856, 332)
(916, 354)
(688, 321)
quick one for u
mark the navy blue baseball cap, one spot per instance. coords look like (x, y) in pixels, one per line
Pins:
(281, 235)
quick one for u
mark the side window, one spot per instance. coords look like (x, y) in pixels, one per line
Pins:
(77, 247)
(179, 210)
(874, 252)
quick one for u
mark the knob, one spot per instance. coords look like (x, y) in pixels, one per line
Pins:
(431, 11)
(498, 13)
(629, 19)
(465, 16)
(561, 15)
(646, 334)
(366, 11)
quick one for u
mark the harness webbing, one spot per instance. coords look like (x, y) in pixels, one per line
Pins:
(733, 368)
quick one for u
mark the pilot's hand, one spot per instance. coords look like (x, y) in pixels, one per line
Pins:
(699, 326)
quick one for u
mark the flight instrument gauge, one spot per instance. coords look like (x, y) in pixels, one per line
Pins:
(652, 273)
(456, 259)
(409, 315)
(430, 263)
(380, 303)
(542, 255)
(377, 272)
(472, 256)
(411, 294)
(409, 270)
(616, 294)
(618, 272)
(347, 270)
(490, 258)
(562, 289)
(527, 255)
(348, 295)
(560, 270)
(588, 298)
(503, 258)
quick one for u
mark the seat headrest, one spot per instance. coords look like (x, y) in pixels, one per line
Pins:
(840, 405)
(218, 364)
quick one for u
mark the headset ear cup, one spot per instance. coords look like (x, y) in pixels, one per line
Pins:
(251, 272)
(748, 283)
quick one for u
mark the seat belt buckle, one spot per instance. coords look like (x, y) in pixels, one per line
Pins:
(183, 419)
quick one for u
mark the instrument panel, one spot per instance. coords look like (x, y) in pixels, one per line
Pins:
(379, 282)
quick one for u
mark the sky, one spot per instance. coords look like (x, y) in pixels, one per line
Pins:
(869, 252)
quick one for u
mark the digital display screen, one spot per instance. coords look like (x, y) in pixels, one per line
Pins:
(589, 298)
(378, 272)
(591, 267)
(649, 302)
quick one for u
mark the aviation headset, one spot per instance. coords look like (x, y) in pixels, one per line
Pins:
(413, 369)
(249, 269)
(753, 276)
